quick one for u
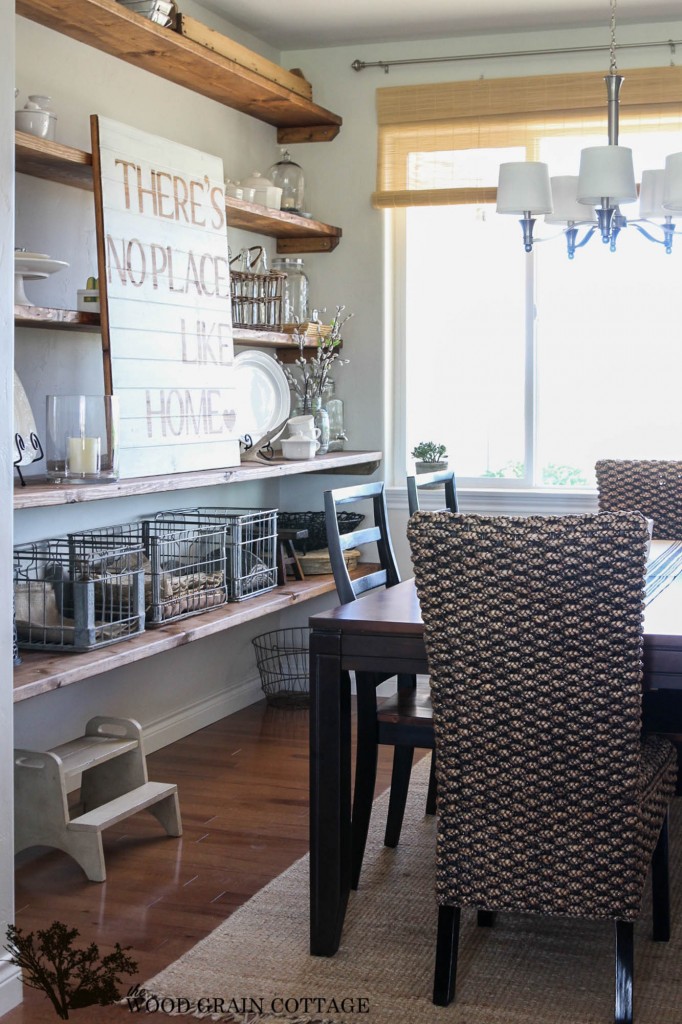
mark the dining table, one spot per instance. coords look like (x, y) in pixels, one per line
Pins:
(383, 633)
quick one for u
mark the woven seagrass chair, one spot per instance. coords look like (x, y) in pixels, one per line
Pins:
(653, 488)
(403, 720)
(549, 802)
(444, 478)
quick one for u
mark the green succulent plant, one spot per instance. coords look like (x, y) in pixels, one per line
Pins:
(429, 451)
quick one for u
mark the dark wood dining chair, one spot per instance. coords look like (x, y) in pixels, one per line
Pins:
(549, 800)
(403, 720)
(442, 478)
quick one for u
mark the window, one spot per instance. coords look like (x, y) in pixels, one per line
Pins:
(530, 368)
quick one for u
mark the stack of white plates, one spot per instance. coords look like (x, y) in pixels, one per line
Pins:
(163, 12)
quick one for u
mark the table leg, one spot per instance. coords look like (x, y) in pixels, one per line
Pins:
(330, 824)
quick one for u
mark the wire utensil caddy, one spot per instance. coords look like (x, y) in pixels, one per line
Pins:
(250, 545)
(77, 596)
(256, 293)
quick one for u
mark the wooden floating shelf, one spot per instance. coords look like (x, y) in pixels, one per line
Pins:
(110, 27)
(68, 166)
(293, 233)
(75, 320)
(53, 161)
(42, 671)
(38, 493)
(55, 319)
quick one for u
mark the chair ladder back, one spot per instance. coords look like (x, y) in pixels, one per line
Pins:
(444, 477)
(378, 534)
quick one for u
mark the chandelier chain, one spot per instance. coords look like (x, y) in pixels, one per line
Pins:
(612, 49)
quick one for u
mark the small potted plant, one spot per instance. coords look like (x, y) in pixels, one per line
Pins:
(429, 457)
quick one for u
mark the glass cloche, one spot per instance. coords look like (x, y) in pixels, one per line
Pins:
(289, 177)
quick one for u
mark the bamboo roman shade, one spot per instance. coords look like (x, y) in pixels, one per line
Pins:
(440, 144)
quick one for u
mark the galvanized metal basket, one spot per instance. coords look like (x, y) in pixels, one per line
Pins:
(250, 544)
(77, 596)
(184, 564)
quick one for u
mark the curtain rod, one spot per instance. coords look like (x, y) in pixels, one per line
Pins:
(360, 65)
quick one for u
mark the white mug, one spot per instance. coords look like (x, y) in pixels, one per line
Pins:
(303, 425)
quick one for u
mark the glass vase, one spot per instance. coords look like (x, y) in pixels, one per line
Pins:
(322, 423)
(82, 439)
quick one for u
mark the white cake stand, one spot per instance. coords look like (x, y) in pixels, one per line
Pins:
(31, 266)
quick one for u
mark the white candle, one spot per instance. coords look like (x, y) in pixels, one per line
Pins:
(83, 454)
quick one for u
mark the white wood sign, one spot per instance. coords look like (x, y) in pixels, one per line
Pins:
(164, 281)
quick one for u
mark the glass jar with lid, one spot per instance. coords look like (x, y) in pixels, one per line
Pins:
(289, 177)
(294, 290)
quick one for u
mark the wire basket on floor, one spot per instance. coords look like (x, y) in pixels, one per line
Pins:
(282, 660)
(315, 524)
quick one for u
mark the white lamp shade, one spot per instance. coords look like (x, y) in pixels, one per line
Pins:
(672, 184)
(606, 172)
(567, 209)
(523, 187)
(651, 195)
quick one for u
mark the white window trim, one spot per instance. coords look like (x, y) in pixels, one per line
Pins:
(505, 501)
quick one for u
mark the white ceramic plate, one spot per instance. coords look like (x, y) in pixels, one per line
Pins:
(24, 423)
(263, 397)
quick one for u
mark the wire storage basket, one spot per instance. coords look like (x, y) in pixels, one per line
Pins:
(77, 596)
(250, 545)
(184, 564)
(282, 660)
(315, 524)
(256, 292)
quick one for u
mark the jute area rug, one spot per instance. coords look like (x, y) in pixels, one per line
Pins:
(524, 970)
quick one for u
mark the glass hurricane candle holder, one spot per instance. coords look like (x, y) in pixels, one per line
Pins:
(82, 433)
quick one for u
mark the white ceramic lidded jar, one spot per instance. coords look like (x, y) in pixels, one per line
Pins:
(289, 176)
(36, 119)
(265, 192)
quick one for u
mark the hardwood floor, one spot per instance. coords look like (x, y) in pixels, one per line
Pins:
(243, 786)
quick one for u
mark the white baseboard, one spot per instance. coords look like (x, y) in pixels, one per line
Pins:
(173, 727)
(10, 986)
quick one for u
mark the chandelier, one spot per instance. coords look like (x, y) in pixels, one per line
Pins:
(592, 199)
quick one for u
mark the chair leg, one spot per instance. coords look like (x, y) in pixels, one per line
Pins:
(447, 942)
(660, 887)
(365, 775)
(433, 790)
(485, 918)
(400, 783)
(624, 970)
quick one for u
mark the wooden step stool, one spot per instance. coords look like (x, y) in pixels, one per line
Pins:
(114, 785)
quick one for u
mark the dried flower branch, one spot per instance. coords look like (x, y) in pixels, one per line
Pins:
(312, 376)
